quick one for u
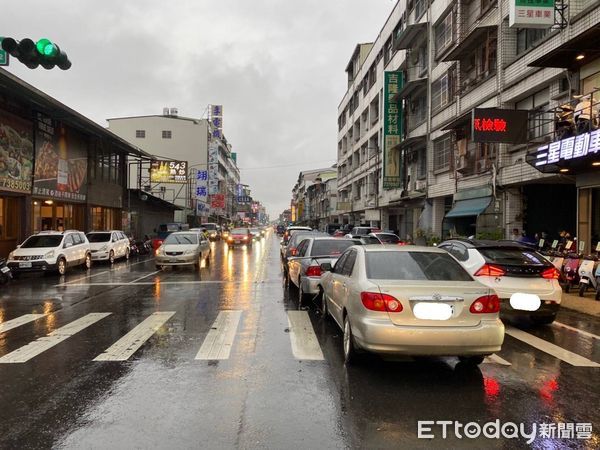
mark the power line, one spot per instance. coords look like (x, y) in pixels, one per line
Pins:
(287, 165)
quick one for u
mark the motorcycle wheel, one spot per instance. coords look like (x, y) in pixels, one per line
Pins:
(567, 287)
(582, 289)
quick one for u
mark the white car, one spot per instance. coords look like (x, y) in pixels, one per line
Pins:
(50, 251)
(183, 248)
(108, 245)
(526, 283)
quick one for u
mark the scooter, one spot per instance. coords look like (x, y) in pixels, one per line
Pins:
(587, 274)
(564, 123)
(5, 273)
(597, 276)
(571, 270)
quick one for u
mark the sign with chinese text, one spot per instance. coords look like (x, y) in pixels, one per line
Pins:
(507, 126)
(217, 201)
(201, 177)
(531, 13)
(61, 161)
(568, 149)
(16, 153)
(168, 171)
(216, 120)
(392, 130)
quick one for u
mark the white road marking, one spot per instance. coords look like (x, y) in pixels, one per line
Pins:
(552, 349)
(304, 340)
(145, 276)
(17, 322)
(219, 340)
(495, 359)
(87, 277)
(568, 327)
(151, 283)
(132, 341)
(25, 353)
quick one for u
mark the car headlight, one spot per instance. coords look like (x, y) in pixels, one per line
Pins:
(50, 254)
(103, 248)
(11, 255)
(188, 252)
(160, 251)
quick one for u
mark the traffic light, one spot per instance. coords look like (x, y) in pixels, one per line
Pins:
(43, 53)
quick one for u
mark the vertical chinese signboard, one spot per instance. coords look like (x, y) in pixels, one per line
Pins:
(531, 13)
(216, 119)
(202, 192)
(392, 130)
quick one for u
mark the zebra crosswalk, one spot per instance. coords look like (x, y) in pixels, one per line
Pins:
(220, 340)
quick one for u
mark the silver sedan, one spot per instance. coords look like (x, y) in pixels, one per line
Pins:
(183, 248)
(410, 300)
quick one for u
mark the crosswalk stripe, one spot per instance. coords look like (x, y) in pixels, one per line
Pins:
(552, 349)
(583, 332)
(219, 340)
(495, 359)
(304, 340)
(17, 322)
(132, 341)
(25, 353)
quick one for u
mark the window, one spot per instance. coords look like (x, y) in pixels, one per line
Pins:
(349, 264)
(387, 52)
(529, 37)
(442, 91)
(414, 266)
(443, 33)
(442, 151)
(486, 5)
(421, 165)
(540, 120)
(166, 134)
(140, 134)
(420, 8)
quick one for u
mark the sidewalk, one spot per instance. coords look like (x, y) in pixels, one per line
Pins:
(586, 304)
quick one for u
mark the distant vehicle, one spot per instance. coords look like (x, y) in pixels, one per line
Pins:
(183, 248)
(280, 230)
(239, 236)
(291, 230)
(50, 251)
(387, 238)
(526, 282)
(331, 228)
(256, 233)
(362, 231)
(166, 229)
(410, 300)
(291, 249)
(213, 231)
(109, 245)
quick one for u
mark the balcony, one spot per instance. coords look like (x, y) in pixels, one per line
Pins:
(408, 34)
(472, 39)
(414, 79)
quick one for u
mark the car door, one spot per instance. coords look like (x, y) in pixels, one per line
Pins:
(204, 244)
(336, 288)
(69, 250)
(79, 248)
(295, 264)
(346, 282)
(122, 242)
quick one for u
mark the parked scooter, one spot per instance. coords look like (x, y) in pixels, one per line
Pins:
(571, 270)
(5, 273)
(597, 276)
(564, 122)
(587, 274)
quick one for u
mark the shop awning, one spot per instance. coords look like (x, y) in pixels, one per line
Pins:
(469, 207)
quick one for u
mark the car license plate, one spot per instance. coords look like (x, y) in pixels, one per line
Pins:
(525, 302)
(4, 269)
(172, 261)
(432, 311)
(24, 265)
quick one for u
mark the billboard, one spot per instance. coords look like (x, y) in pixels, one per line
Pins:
(61, 159)
(568, 149)
(392, 130)
(217, 201)
(531, 13)
(162, 171)
(16, 153)
(216, 119)
(508, 126)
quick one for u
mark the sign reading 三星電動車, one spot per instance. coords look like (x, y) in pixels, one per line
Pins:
(568, 149)
(392, 130)
(531, 13)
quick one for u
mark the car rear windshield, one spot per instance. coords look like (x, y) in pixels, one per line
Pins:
(210, 226)
(191, 238)
(98, 237)
(42, 241)
(512, 256)
(388, 238)
(330, 247)
(239, 231)
(414, 266)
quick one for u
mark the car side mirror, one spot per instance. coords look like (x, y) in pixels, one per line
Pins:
(326, 267)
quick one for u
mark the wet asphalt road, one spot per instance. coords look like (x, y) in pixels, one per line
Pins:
(265, 392)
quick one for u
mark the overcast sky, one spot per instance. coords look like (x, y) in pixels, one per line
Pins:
(276, 66)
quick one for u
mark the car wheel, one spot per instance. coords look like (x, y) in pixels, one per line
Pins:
(350, 354)
(582, 288)
(61, 266)
(111, 257)
(324, 307)
(471, 360)
(598, 294)
(543, 320)
(88, 262)
(127, 254)
(301, 294)
(157, 267)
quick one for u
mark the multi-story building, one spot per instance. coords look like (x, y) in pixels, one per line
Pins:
(309, 196)
(453, 57)
(170, 136)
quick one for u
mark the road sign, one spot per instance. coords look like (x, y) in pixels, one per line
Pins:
(3, 55)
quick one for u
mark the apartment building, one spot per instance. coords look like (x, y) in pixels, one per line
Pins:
(314, 197)
(454, 57)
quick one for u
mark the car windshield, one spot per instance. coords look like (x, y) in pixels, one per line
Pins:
(183, 239)
(388, 238)
(42, 241)
(414, 266)
(330, 247)
(254, 230)
(367, 240)
(361, 231)
(239, 231)
(210, 226)
(98, 237)
(512, 256)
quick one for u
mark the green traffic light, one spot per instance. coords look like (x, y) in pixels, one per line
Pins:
(46, 47)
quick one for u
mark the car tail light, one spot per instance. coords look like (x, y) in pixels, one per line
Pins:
(293, 251)
(376, 301)
(485, 305)
(313, 271)
(551, 274)
(489, 270)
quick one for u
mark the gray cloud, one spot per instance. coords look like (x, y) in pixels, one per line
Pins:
(277, 66)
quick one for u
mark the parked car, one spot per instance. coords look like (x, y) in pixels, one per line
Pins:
(289, 232)
(387, 238)
(50, 251)
(512, 270)
(361, 231)
(291, 249)
(213, 230)
(239, 236)
(109, 245)
(410, 300)
(304, 270)
(183, 248)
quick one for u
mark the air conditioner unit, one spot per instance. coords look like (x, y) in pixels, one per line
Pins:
(461, 163)
(461, 147)
(420, 185)
(482, 165)
(165, 111)
(174, 112)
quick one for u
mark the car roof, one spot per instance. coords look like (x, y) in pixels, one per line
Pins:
(483, 243)
(403, 248)
(297, 227)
